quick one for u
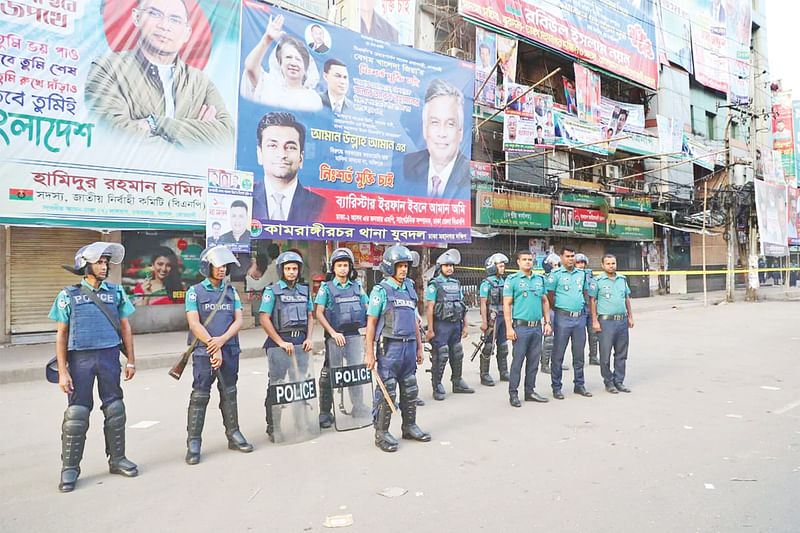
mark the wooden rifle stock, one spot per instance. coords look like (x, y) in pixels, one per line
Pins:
(177, 370)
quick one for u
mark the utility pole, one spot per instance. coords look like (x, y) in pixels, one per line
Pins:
(731, 206)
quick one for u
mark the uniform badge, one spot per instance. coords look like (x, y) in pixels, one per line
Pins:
(62, 304)
(593, 285)
(267, 296)
(192, 296)
(525, 294)
(376, 300)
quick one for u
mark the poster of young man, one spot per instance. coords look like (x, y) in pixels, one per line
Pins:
(390, 164)
(230, 201)
(485, 59)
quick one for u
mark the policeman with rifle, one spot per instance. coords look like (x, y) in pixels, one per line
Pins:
(492, 321)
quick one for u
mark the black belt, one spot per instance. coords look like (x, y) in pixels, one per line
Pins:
(612, 317)
(413, 339)
(575, 314)
(292, 334)
(529, 323)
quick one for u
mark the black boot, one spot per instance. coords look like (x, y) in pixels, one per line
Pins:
(456, 363)
(502, 361)
(325, 399)
(114, 429)
(547, 351)
(198, 402)
(486, 379)
(383, 439)
(440, 358)
(408, 408)
(273, 421)
(230, 419)
(591, 339)
(73, 438)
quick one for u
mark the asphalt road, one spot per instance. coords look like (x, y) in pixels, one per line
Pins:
(709, 440)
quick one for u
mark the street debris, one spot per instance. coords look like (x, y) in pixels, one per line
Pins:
(393, 492)
(343, 520)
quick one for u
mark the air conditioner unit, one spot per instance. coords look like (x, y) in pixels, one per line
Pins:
(612, 172)
(456, 52)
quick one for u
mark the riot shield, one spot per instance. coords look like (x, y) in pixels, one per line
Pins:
(292, 396)
(351, 383)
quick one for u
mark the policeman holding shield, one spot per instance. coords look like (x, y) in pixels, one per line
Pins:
(286, 316)
(214, 314)
(445, 310)
(392, 320)
(491, 294)
(341, 309)
(92, 327)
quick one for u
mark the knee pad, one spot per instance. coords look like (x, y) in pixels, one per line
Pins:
(457, 353)
(391, 387)
(409, 388)
(115, 414)
(76, 419)
(502, 350)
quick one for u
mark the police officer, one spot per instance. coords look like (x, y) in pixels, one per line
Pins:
(566, 289)
(286, 316)
(392, 320)
(582, 262)
(87, 347)
(550, 262)
(612, 317)
(491, 295)
(525, 307)
(217, 352)
(445, 311)
(341, 309)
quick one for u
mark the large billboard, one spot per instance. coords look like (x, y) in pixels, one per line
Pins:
(773, 217)
(677, 33)
(782, 133)
(366, 141)
(111, 112)
(619, 36)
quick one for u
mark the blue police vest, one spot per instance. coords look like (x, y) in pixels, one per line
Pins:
(495, 299)
(89, 328)
(448, 307)
(399, 320)
(291, 308)
(346, 312)
(206, 300)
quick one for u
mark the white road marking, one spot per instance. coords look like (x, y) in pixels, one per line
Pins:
(144, 424)
(786, 408)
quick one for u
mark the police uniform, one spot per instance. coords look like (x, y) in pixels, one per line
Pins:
(526, 319)
(611, 295)
(448, 323)
(569, 324)
(395, 307)
(93, 352)
(492, 289)
(202, 298)
(591, 334)
(346, 311)
(288, 308)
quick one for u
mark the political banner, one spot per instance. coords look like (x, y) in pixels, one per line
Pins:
(230, 204)
(782, 134)
(589, 221)
(631, 116)
(111, 112)
(571, 131)
(772, 214)
(629, 227)
(587, 91)
(677, 34)
(535, 127)
(390, 20)
(793, 225)
(485, 73)
(563, 218)
(698, 151)
(796, 127)
(570, 96)
(507, 53)
(367, 141)
(739, 31)
(506, 209)
(619, 36)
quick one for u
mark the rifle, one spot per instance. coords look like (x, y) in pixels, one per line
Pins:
(487, 335)
(177, 370)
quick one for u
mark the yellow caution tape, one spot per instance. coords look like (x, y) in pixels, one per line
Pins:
(668, 272)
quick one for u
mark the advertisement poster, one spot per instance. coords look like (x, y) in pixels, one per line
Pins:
(367, 141)
(506, 209)
(157, 270)
(485, 59)
(782, 135)
(230, 205)
(619, 36)
(79, 81)
(772, 213)
(507, 53)
(587, 91)
(677, 33)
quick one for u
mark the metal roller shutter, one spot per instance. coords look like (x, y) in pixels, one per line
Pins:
(35, 273)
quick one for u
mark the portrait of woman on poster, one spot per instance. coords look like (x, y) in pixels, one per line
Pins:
(163, 281)
(292, 75)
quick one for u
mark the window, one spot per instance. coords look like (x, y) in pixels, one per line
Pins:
(710, 125)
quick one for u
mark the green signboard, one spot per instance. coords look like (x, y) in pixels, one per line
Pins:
(630, 228)
(500, 209)
(582, 199)
(634, 204)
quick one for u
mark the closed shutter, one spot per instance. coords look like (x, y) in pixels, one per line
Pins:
(36, 275)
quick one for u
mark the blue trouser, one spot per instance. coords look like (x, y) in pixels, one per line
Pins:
(204, 375)
(528, 348)
(568, 328)
(84, 366)
(613, 333)
(396, 361)
(448, 334)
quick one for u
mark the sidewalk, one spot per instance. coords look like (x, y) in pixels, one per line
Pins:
(20, 363)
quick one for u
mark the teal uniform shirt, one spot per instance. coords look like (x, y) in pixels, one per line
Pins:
(377, 298)
(191, 295)
(430, 292)
(485, 286)
(610, 294)
(60, 311)
(527, 293)
(268, 300)
(324, 295)
(568, 288)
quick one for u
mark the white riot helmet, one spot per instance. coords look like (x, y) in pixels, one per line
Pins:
(216, 256)
(491, 263)
(91, 253)
(450, 257)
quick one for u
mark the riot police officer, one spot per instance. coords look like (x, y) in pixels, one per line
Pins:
(445, 311)
(216, 355)
(341, 309)
(582, 262)
(566, 289)
(491, 295)
(286, 316)
(93, 326)
(550, 262)
(392, 321)
(526, 311)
